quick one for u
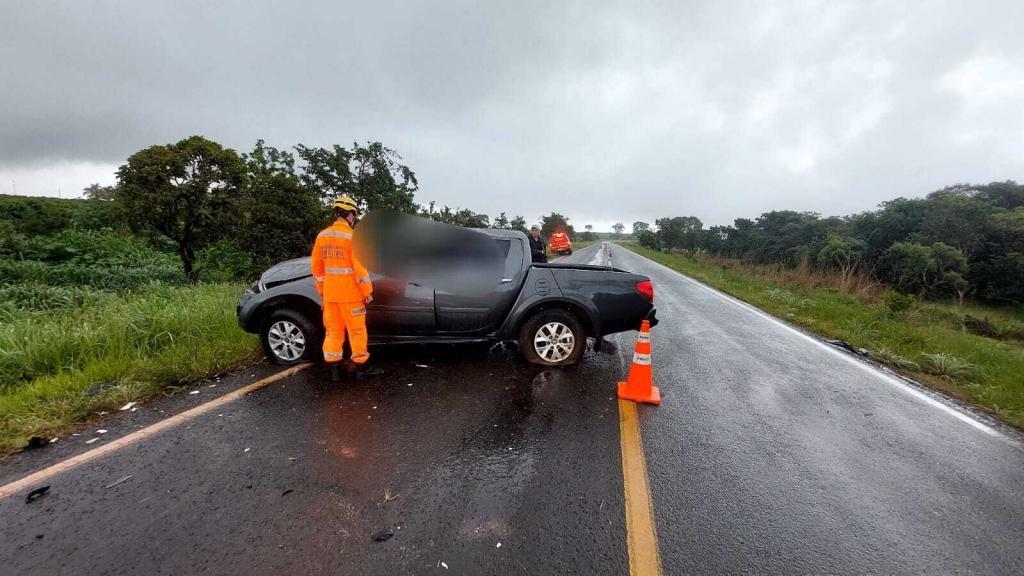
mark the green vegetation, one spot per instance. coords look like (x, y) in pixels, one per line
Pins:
(69, 352)
(963, 242)
(973, 352)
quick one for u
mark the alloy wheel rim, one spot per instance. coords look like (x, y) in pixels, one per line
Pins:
(554, 342)
(286, 340)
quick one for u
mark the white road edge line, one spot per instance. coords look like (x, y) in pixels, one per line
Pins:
(850, 359)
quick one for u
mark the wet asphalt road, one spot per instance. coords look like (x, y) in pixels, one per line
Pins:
(772, 453)
(769, 454)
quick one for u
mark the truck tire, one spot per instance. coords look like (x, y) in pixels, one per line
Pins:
(289, 337)
(553, 338)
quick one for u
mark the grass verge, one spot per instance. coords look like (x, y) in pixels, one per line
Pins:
(928, 341)
(65, 357)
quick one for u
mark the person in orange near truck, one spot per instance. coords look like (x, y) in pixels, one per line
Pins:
(560, 244)
(345, 287)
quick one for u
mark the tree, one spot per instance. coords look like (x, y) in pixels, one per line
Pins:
(371, 174)
(679, 232)
(842, 252)
(187, 192)
(618, 227)
(926, 269)
(519, 223)
(97, 192)
(589, 227)
(556, 222)
(501, 222)
(648, 239)
(280, 215)
(639, 227)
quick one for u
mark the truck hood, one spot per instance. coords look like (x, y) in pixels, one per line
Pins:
(287, 271)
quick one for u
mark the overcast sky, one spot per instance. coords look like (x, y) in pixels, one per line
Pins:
(602, 111)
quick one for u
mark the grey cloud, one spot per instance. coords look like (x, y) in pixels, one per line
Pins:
(605, 112)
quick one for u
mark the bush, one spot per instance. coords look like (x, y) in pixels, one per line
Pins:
(649, 239)
(897, 304)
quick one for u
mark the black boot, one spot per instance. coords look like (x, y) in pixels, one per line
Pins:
(367, 371)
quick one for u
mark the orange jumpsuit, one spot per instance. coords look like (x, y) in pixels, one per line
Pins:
(344, 284)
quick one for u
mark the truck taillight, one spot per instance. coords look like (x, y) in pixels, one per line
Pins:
(646, 289)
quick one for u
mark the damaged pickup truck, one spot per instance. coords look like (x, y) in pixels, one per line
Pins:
(550, 309)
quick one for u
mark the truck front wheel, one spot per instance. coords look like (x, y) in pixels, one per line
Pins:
(553, 338)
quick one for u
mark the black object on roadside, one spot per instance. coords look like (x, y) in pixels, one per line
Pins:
(36, 442)
(384, 535)
(287, 492)
(36, 494)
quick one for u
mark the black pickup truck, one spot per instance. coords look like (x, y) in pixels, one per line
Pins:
(550, 309)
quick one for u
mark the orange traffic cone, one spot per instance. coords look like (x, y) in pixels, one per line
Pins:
(639, 385)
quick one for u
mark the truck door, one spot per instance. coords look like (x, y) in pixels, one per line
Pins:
(399, 308)
(459, 313)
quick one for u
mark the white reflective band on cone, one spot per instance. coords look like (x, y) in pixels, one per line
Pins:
(642, 359)
(644, 337)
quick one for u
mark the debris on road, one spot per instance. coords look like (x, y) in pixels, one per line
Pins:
(101, 431)
(194, 392)
(287, 492)
(247, 449)
(388, 497)
(128, 406)
(35, 442)
(422, 366)
(119, 481)
(36, 494)
(90, 441)
(384, 535)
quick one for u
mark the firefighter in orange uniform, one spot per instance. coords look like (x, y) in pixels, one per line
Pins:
(344, 285)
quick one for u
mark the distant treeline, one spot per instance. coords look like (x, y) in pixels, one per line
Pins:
(960, 241)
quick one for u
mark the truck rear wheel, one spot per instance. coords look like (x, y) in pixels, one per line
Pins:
(553, 338)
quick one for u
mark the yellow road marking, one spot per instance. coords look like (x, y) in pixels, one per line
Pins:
(134, 437)
(641, 538)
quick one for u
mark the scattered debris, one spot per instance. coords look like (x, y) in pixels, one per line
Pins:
(194, 392)
(409, 384)
(388, 497)
(443, 565)
(384, 535)
(287, 492)
(101, 431)
(35, 442)
(36, 494)
(52, 440)
(422, 366)
(247, 449)
(90, 441)
(128, 406)
(39, 536)
(120, 481)
(499, 545)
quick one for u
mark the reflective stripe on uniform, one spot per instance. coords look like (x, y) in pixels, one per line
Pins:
(360, 310)
(318, 278)
(642, 359)
(333, 355)
(363, 280)
(358, 357)
(335, 234)
(332, 270)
